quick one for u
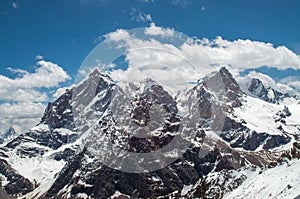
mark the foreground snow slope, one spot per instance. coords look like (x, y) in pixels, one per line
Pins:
(282, 181)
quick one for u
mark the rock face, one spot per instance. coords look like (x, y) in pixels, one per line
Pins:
(251, 140)
(224, 85)
(216, 94)
(59, 113)
(89, 122)
(267, 94)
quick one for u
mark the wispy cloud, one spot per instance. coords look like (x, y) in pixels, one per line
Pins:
(146, 1)
(138, 16)
(15, 5)
(39, 57)
(86, 2)
(182, 3)
(17, 71)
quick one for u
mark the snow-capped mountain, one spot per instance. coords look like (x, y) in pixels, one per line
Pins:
(265, 93)
(8, 135)
(80, 148)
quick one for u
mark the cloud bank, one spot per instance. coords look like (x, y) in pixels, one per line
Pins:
(158, 55)
(23, 98)
(187, 62)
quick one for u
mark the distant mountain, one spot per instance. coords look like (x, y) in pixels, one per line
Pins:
(265, 93)
(81, 147)
(8, 135)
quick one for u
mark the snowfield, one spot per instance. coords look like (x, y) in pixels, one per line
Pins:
(259, 115)
(282, 181)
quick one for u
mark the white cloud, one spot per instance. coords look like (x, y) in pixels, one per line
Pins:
(150, 58)
(266, 79)
(46, 75)
(138, 16)
(24, 95)
(203, 8)
(295, 84)
(118, 35)
(25, 87)
(39, 57)
(243, 54)
(21, 116)
(168, 63)
(239, 54)
(155, 30)
(292, 81)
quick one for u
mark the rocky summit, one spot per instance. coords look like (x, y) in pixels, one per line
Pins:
(89, 142)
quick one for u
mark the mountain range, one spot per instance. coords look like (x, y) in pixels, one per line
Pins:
(230, 142)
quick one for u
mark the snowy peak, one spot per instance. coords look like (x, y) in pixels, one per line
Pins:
(213, 97)
(148, 83)
(8, 135)
(10, 132)
(60, 113)
(265, 93)
(223, 85)
(229, 81)
(156, 94)
(222, 78)
(97, 73)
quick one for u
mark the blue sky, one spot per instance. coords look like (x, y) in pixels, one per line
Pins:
(63, 32)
